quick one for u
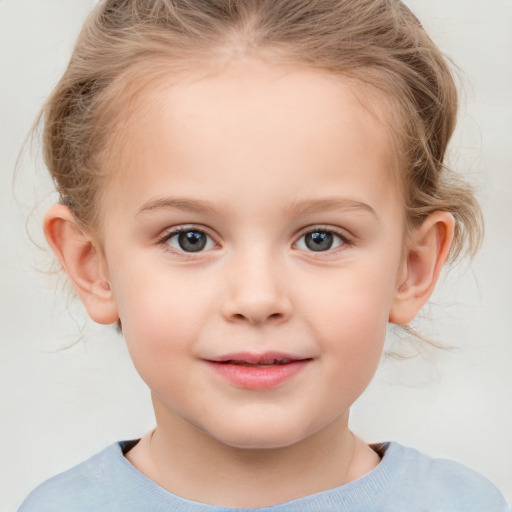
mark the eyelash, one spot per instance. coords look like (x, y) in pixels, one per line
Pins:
(344, 239)
(164, 240)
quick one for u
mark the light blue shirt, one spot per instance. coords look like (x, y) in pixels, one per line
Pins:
(404, 481)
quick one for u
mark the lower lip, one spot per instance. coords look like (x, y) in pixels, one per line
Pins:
(258, 378)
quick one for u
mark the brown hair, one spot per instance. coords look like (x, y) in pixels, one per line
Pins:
(378, 42)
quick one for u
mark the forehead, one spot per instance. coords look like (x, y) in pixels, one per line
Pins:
(248, 122)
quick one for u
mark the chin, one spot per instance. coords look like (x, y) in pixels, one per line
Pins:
(259, 444)
(259, 438)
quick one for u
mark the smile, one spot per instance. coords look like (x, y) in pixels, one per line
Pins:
(257, 371)
(263, 364)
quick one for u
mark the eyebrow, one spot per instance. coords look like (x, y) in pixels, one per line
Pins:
(335, 203)
(171, 203)
(294, 208)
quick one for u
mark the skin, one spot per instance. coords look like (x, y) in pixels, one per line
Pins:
(254, 156)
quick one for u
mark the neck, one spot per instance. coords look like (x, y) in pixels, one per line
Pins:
(193, 465)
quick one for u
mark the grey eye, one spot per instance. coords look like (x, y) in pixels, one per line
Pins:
(319, 241)
(191, 240)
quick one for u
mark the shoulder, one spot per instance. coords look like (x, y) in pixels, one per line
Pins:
(86, 487)
(443, 484)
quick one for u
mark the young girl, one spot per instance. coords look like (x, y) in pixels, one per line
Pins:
(252, 190)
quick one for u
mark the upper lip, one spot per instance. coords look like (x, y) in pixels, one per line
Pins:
(254, 358)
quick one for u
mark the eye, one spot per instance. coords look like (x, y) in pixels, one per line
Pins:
(189, 240)
(320, 240)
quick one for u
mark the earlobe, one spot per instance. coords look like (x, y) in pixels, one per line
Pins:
(428, 248)
(82, 260)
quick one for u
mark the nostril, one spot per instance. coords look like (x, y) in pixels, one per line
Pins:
(254, 319)
(255, 308)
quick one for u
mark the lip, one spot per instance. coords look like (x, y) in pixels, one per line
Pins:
(258, 371)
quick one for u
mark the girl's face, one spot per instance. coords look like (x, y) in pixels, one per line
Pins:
(253, 237)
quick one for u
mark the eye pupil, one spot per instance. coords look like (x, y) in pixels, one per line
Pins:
(192, 241)
(319, 240)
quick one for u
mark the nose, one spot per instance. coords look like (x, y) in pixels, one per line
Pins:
(256, 291)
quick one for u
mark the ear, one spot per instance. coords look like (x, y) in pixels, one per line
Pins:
(81, 257)
(427, 250)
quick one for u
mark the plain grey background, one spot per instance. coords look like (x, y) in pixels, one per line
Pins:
(60, 406)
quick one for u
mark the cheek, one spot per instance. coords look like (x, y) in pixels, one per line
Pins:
(350, 326)
(355, 304)
(160, 317)
(356, 330)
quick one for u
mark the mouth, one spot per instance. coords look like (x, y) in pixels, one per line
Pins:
(263, 364)
(258, 371)
(264, 359)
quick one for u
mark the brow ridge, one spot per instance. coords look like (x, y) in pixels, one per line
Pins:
(185, 204)
(294, 208)
(335, 203)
